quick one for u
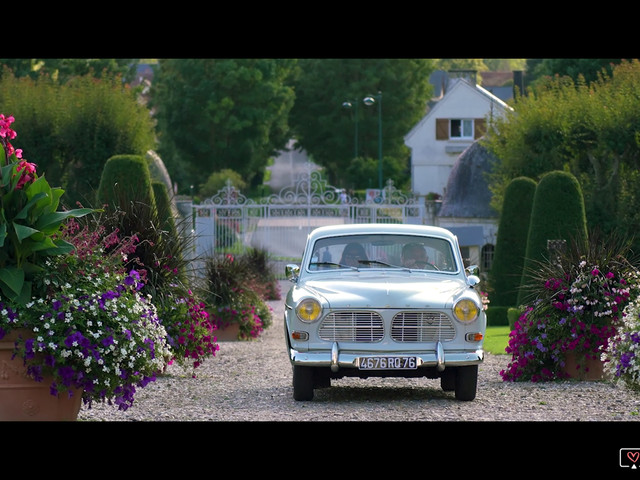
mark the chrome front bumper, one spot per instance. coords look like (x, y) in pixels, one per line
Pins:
(337, 359)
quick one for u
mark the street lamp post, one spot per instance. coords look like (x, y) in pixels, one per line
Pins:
(370, 100)
(353, 104)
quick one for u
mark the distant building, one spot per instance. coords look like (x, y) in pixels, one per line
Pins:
(456, 117)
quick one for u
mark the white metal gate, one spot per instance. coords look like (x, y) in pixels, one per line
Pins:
(280, 223)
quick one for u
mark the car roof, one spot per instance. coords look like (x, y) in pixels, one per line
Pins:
(391, 228)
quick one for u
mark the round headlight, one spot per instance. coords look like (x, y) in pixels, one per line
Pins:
(466, 310)
(309, 310)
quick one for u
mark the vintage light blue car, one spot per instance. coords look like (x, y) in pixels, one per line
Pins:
(383, 300)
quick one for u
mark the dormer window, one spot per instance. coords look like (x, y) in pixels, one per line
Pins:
(461, 128)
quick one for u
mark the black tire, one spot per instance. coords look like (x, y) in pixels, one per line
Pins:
(302, 383)
(466, 382)
(448, 379)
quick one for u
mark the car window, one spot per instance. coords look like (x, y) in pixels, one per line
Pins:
(382, 251)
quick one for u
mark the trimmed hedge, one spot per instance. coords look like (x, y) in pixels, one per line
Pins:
(511, 244)
(163, 206)
(557, 213)
(125, 179)
(497, 316)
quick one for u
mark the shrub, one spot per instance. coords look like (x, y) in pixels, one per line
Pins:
(513, 314)
(159, 256)
(506, 269)
(125, 178)
(557, 213)
(579, 299)
(497, 316)
(235, 291)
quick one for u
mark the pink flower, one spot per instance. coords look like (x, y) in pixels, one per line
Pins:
(28, 173)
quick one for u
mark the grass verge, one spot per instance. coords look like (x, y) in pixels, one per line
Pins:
(496, 339)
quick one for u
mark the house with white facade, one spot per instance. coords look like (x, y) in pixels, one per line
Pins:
(454, 120)
(448, 163)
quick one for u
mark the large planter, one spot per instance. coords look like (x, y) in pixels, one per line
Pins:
(24, 399)
(228, 333)
(582, 368)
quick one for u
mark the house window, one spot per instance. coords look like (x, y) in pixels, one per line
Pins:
(461, 128)
(471, 128)
(487, 257)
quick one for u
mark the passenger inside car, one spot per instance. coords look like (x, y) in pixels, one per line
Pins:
(414, 256)
(352, 253)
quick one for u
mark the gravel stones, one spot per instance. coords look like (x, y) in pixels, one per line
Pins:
(251, 382)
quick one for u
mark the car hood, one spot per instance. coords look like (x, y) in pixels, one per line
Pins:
(387, 292)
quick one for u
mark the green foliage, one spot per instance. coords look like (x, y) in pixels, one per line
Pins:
(326, 130)
(577, 301)
(218, 180)
(497, 315)
(588, 68)
(236, 289)
(30, 221)
(513, 313)
(163, 205)
(363, 172)
(506, 270)
(214, 113)
(588, 129)
(557, 214)
(125, 179)
(72, 128)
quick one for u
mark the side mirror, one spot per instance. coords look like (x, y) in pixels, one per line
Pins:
(473, 280)
(291, 271)
(473, 270)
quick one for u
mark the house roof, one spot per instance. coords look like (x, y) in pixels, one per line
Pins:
(449, 87)
(467, 194)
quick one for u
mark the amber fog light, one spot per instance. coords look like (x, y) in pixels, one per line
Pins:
(474, 337)
(308, 310)
(300, 335)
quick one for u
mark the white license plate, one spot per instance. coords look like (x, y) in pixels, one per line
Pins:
(388, 363)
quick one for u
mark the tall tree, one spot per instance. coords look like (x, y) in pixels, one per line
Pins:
(221, 113)
(327, 130)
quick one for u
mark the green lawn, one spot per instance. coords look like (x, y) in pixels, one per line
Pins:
(497, 339)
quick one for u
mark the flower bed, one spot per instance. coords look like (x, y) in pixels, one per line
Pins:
(578, 307)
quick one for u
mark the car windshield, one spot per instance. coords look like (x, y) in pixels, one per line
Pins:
(359, 252)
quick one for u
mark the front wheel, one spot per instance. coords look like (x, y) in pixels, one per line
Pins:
(466, 382)
(302, 383)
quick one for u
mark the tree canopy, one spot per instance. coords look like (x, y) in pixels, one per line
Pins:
(588, 129)
(334, 135)
(221, 113)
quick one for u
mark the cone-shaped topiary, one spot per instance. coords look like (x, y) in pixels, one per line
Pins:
(511, 244)
(163, 205)
(557, 213)
(125, 178)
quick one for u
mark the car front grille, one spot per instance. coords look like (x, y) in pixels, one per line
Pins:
(352, 327)
(363, 326)
(422, 327)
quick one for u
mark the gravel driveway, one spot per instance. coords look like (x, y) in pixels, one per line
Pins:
(251, 381)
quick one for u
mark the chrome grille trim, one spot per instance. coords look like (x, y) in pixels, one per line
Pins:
(422, 327)
(356, 326)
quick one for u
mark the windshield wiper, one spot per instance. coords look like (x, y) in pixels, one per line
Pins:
(332, 264)
(377, 262)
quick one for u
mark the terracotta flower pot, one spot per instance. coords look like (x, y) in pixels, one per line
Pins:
(24, 399)
(228, 333)
(582, 368)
